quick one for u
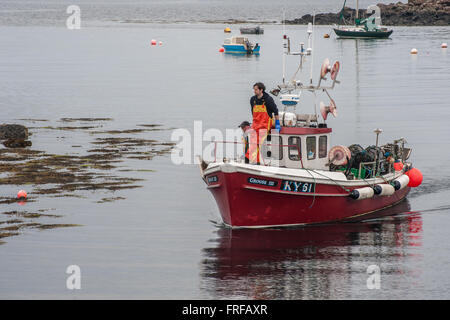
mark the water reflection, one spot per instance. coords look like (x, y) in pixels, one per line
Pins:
(317, 262)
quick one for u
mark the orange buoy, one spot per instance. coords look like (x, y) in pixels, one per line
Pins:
(153, 42)
(398, 166)
(444, 45)
(221, 49)
(414, 51)
(415, 177)
(21, 194)
(326, 35)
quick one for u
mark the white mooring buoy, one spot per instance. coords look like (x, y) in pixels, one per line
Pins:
(414, 51)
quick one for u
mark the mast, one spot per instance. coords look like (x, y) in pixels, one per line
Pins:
(357, 10)
(284, 45)
(310, 32)
(341, 15)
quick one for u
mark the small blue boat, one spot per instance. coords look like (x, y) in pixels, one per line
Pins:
(240, 45)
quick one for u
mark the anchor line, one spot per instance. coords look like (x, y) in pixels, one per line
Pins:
(314, 195)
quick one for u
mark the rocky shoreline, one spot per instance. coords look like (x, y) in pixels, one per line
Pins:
(413, 13)
(97, 169)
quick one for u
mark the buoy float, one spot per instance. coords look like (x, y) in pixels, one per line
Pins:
(415, 177)
(398, 166)
(221, 49)
(21, 194)
(444, 45)
(227, 30)
(326, 35)
(160, 43)
(153, 42)
(414, 51)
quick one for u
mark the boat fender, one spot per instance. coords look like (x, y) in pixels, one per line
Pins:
(383, 189)
(400, 182)
(362, 193)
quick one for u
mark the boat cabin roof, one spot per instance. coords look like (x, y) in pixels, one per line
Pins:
(304, 130)
(238, 40)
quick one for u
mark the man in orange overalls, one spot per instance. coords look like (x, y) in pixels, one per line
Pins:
(263, 107)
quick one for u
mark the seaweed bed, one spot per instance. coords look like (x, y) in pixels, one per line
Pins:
(100, 166)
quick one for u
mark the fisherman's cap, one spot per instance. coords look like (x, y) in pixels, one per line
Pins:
(244, 124)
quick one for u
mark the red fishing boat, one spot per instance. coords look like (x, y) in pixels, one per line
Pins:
(301, 179)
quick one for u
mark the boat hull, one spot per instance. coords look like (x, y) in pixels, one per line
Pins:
(252, 31)
(244, 201)
(232, 48)
(362, 34)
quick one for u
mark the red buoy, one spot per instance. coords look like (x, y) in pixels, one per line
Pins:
(221, 49)
(398, 166)
(153, 42)
(415, 177)
(21, 194)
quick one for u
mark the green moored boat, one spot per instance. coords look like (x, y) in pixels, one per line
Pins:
(382, 33)
(363, 28)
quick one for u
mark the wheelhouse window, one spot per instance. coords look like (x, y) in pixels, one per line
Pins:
(322, 146)
(311, 148)
(294, 147)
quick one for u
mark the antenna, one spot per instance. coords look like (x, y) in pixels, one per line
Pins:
(284, 45)
(311, 31)
(289, 91)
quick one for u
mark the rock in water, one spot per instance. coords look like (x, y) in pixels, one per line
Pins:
(13, 131)
(17, 143)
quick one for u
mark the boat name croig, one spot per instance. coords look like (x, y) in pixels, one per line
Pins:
(297, 186)
(269, 183)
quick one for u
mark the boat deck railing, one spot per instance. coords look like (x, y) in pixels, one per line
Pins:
(261, 153)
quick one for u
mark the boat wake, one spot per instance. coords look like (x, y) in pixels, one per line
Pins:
(430, 186)
(410, 214)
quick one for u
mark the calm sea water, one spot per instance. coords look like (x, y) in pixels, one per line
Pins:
(159, 242)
